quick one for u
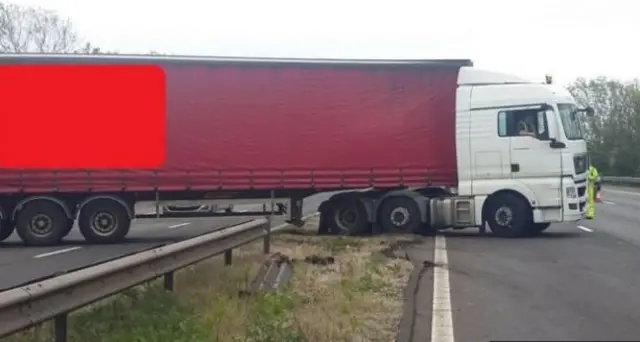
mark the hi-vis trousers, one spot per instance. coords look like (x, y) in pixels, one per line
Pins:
(591, 201)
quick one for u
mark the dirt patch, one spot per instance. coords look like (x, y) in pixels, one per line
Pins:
(358, 296)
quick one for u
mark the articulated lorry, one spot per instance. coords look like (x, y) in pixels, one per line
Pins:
(408, 145)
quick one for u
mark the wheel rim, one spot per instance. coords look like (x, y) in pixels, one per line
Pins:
(504, 216)
(41, 225)
(399, 216)
(104, 223)
(346, 219)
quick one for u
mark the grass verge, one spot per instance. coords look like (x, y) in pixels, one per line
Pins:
(357, 298)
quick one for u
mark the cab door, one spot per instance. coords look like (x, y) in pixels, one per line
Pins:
(532, 160)
(490, 153)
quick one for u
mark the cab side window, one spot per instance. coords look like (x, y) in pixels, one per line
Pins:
(523, 123)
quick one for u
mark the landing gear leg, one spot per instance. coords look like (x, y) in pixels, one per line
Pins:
(296, 211)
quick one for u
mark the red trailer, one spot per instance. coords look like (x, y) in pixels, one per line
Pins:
(254, 128)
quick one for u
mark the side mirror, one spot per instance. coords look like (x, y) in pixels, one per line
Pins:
(554, 132)
(590, 112)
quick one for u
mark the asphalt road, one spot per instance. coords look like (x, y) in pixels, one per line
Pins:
(20, 265)
(576, 282)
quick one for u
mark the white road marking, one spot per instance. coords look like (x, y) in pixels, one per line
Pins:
(589, 230)
(608, 202)
(179, 225)
(622, 192)
(441, 315)
(60, 251)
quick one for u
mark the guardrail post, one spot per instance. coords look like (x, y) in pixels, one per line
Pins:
(168, 281)
(60, 322)
(267, 236)
(228, 255)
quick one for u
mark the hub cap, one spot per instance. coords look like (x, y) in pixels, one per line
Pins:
(346, 219)
(504, 216)
(41, 224)
(103, 223)
(399, 216)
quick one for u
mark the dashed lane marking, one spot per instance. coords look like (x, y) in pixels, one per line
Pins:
(179, 225)
(588, 230)
(60, 251)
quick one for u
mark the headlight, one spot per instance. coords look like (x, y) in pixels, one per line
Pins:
(571, 192)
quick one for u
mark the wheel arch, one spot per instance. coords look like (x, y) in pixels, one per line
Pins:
(127, 205)
(368, 204)
(62, 204)
(487, 203)
(418, 198)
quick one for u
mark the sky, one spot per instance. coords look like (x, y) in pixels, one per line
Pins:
(562, 38)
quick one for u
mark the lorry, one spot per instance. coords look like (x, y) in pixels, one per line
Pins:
(406, 145)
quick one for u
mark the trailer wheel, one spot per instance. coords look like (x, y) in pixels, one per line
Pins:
(104, 221)
(6, 229)
(399, 214)
(41, 223)
(348, 216)
(509, 216)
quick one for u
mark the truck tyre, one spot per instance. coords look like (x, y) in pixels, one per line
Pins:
(509, 216)
(41, 223)
(537, 228)
(348, 216)
(6, 229)
(104, 221)
(323, 227)
(399, 214)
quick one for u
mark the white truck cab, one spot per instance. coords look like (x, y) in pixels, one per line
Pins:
(520, 150)
(521, 160)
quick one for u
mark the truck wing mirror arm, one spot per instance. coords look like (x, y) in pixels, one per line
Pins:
(589, 111)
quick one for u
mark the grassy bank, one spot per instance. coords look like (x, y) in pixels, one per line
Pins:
(357, 298)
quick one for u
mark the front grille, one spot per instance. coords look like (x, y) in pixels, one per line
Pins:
(581, 191)
(580, 163)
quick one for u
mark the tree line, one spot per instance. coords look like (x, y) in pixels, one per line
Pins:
(612, 134)
(38, 30)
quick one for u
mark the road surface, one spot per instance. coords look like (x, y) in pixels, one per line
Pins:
(577, 282)
(20, 265)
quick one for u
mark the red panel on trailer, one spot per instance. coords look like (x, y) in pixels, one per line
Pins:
(270, 125)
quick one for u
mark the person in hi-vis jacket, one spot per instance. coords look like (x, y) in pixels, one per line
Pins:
(592, 177)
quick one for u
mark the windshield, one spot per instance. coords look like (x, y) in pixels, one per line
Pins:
(570, 121)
